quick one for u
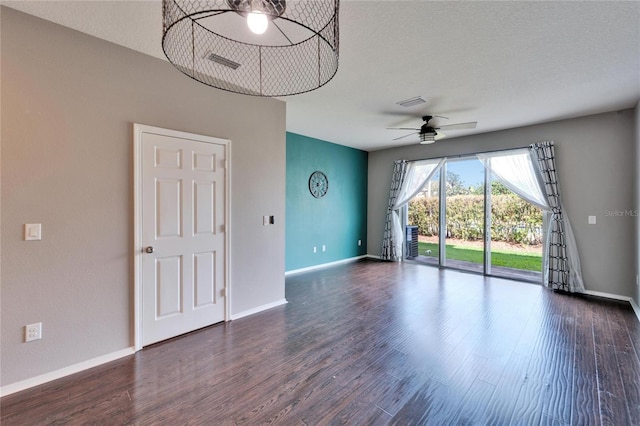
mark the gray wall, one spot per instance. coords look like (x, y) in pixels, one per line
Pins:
(637, 201)
(596, 163)
(69, 102)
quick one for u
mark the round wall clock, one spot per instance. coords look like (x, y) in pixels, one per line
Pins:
(318, 184)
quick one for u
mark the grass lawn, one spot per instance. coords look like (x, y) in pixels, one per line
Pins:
(529, 262)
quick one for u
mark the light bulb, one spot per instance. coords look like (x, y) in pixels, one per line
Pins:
(257, 22)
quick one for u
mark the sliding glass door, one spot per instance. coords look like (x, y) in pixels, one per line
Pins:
(463, 239)
(424, 213)
(516, 235)
(469, 221)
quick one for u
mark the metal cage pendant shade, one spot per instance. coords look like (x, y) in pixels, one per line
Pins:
(210, 42)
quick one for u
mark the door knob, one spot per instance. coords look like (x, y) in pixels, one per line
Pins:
(149, 249)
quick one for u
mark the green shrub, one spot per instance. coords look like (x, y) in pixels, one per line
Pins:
(514, 220)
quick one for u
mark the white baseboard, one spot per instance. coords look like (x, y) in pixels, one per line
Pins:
(616, 297)
(258, 309)
(325, 265)
(608, 295)
(63, 372)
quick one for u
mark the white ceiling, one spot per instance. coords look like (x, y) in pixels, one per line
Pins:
(502, 64)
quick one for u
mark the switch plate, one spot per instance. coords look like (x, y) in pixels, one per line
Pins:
(32, 231)
(592, 220)
(268, 220)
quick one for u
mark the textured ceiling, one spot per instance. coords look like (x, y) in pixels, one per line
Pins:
(502, 64)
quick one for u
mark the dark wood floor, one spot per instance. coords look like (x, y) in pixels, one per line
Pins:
(373, 343)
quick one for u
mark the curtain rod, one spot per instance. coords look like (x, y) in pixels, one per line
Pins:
(468, 155)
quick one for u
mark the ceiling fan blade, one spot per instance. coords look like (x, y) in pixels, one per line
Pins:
(459, 126)
(439, 136)
(402, 128)
(410, 134)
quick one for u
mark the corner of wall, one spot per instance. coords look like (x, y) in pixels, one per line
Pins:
(637, 201)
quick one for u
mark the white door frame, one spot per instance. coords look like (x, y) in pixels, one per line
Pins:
(138, 130)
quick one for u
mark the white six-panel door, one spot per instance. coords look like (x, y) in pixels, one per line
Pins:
(183, 237)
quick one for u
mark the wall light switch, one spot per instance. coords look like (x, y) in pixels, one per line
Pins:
(592, 220)
(32, 231)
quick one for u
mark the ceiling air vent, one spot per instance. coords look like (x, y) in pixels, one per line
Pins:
(222, 61)
(411, 102)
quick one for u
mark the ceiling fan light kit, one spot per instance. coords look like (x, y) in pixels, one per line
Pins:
(427, 138)
(283, 47)
(428, 134)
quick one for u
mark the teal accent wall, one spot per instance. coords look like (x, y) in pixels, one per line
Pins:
(337, 220)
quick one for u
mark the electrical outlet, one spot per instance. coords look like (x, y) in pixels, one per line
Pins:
(359, 243)
(324, 248)
(315, 249)
(33, 332)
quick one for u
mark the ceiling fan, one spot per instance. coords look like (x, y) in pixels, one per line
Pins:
(428, 133)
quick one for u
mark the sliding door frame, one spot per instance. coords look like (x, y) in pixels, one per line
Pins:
(442, 216)
(442, 234)
(488, 179)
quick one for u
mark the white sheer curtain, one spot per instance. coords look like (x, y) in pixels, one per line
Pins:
(517, 170)
(514, 169)
(416, 176)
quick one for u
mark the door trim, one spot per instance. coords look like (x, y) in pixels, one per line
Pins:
(138, 131)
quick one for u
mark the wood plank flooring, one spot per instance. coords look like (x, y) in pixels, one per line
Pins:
(373, 343)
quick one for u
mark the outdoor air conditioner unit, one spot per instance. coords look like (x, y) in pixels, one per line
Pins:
(411, 242)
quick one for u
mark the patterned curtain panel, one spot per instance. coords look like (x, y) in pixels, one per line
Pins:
(409, 177)
(562, 263)
(389, 251)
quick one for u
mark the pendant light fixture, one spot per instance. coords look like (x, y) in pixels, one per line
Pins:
(253, 47)
(257, 22)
